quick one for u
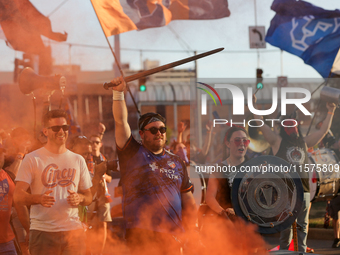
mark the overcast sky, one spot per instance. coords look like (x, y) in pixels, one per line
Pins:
(78, 19)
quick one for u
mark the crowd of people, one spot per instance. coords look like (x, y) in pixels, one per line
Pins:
(51, 188)
(60, 187)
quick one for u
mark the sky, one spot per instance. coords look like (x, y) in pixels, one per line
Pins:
(171, 43)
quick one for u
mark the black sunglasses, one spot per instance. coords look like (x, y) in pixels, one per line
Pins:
(95, 142)
(57, 128)
(155, 130)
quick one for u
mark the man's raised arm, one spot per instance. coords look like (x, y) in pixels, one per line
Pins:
(269, 135)
(316, 137)
(120, 114)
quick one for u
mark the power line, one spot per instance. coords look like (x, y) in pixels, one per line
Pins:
(57, 8)
(154, 50)
(180, 40)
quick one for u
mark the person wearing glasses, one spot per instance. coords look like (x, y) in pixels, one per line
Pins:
(59, 182)
(100, 204)
(218, 196)
(288, 143)
(158, 206)
(98, 212)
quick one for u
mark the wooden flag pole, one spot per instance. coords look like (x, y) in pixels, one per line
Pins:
(116, 61)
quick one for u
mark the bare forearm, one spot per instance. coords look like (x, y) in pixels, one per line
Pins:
(85, 198)
(317, 136)
(190, 217)
(108, 178)
(207, 143)
(119, 111)
(213, 204)
(122, 128)
(179, 137)
(23, 198)
(189, 211)
(23, 216)
(14, 167)
(327, 123)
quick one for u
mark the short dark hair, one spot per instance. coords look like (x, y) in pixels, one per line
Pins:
(79, 140)
(53, 115)
(96, 136)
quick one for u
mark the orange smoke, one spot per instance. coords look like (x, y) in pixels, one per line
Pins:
(217, 236)
(221, 236)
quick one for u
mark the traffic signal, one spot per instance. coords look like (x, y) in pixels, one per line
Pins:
(142, 84)
(259, 79)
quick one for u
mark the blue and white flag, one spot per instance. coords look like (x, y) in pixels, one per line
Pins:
(306, 31)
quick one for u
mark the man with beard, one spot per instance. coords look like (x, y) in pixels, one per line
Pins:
(289, 144)
(158, 206)
(59, 182)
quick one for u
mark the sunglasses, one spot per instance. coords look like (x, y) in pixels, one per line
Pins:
(57, 128)
(155, 130)
(95, 142)
(238, 142)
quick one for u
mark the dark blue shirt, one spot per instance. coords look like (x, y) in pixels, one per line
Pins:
(152, 186)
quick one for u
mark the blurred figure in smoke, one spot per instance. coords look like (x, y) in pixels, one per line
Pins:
(180, 150)
(195, 154)
(291, 146)
(100, 204)
(59, 182)
(18, 144)
(178, 147)
(219, 188)
(99, 209)
(6, 200)
(101, 131)
(158, 206)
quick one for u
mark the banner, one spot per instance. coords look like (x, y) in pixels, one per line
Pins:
(119, 16)
(2, 35)
(23, 26)
(306, 31)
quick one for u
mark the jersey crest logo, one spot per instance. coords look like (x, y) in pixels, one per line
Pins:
(171, 164)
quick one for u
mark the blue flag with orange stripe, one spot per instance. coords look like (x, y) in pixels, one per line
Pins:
(306, 31)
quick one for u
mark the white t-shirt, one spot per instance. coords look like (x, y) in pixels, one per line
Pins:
(44, 170)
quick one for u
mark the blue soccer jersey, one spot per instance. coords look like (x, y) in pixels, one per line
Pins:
(152, 186)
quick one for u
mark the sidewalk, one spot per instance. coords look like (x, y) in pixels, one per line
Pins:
(319, 239)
